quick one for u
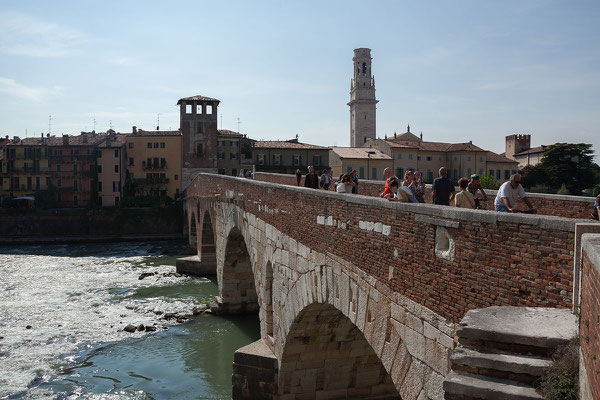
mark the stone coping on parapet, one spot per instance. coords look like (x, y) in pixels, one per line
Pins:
(492, 192)
(590, 242)
(454, 213)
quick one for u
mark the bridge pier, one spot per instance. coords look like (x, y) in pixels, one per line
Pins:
(255, 372)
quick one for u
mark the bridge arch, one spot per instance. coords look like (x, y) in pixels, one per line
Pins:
(208, 249)
(193, 234)
(327, 355)
(237, 288)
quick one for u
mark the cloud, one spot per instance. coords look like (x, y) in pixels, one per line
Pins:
(12, 87)
(31, 36)
(124, 61)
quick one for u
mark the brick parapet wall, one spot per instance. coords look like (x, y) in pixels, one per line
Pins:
(498, 259)
(589, 328)
(546, 204)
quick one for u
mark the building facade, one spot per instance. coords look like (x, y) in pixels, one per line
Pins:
(286, 157)
(198, 126)
(154, 162)
(362, 99)
(410, 152)
(369, 163)
(111, 169)
(518, 148)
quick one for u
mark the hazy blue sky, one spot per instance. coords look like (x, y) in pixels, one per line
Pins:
(455, 70)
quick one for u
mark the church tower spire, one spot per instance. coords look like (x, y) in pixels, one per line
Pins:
(362, 99)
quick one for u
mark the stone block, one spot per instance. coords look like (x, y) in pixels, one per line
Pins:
(413, 382)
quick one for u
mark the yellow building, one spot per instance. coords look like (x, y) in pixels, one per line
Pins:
(154, 161)
(369, 163)
(24, 167)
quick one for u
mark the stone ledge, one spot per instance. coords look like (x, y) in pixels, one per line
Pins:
(590, 243)
(430, 220)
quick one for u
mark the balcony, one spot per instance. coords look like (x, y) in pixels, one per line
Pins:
(31, 170)
(151, 181)
(154, 166)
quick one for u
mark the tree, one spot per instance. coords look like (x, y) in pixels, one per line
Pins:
(564, 163)
(488, 182)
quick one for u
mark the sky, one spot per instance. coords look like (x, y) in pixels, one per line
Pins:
(454, 70)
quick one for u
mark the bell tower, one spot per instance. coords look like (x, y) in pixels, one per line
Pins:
(362, 99)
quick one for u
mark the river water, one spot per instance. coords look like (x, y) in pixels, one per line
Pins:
(62, 313)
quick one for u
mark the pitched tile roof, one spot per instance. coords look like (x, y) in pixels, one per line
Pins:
(197, 98)
(493, 157)
(141, 132)
(533, 150)
(228, 132)
(360, 152)
(286, 144)
(430, 146)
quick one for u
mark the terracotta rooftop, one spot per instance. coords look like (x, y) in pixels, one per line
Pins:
(360, 152)
(87, 139)
(286, 144)
(141, 132)
(534, 150)
(428, 146)
(198, 98)
(493, 157)
(228, 132)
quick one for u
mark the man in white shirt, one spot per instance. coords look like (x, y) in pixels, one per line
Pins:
(509, 193)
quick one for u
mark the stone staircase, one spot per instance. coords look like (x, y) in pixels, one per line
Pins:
(503, 351)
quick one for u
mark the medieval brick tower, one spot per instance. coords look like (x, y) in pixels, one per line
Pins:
(198, 125)
(362, 99)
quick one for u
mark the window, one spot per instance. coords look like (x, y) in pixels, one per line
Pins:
(149, 145)
(498, 174)
(176, 177)
(469, 158)
(317, 160)
(492, 173)
(455, 158)
(513, 172)
(440, 158)
(233, 156)
(199, 149)
(200, 128)
(99, 168)
(399, 156)
(429, 158)
(75, 201)
(156, 145)
(148, 175)
(480, 171)
(116, 186)
(481, 159)
(410, 156)
(219, 143)
(29, 183)
(58, 168)
(276, 159)
(296, 160)
(163, 163)
(37, 182)
(155, 163)
(361, 172)
(131, 161)
(348, 169)
(148, 163)
(260, 159)
(221, 155)
(99, 187)
(418, 158)
(58, 182)
(507, 174)
(116, 200)
(116, 153)
(234, 144)
(116, 168)
(75, 169)
(400, 173)
(374, 173)
(130, 145)
(188, 108)
(468, 172)
(162, 145)
(75, 186)
(209, 109)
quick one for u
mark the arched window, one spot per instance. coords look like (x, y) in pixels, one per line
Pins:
(364, 68)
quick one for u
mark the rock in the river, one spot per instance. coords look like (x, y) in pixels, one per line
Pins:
(150, 328)
(158, 312)
(199, 310)
(130, 328)
(28, 327)
(146, 274)
(141, 327)
(169, 316)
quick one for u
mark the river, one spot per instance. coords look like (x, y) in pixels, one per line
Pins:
(62, 312)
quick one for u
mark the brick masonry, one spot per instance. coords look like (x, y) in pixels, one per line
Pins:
(386, 267)
(546, 204)
(589, 329)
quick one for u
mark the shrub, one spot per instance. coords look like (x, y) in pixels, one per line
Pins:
(488, 182)
(561, 380)
(563, 190)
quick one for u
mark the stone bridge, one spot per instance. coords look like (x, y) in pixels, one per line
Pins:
(359, 297)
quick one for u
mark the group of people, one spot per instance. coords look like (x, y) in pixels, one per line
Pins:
(443, 192)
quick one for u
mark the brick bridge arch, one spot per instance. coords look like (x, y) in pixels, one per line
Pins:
(409, 277)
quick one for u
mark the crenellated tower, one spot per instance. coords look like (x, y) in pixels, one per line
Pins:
(362, 99)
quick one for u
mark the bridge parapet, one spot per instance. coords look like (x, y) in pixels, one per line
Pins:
(547, 204)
